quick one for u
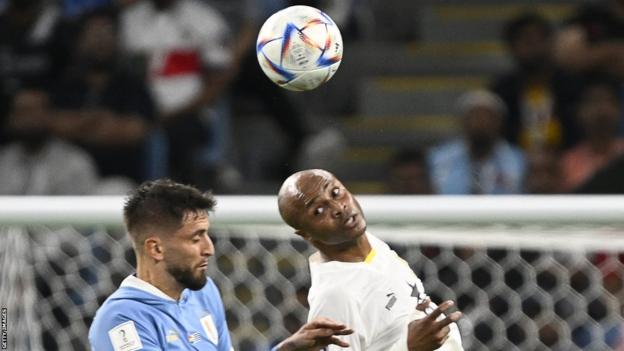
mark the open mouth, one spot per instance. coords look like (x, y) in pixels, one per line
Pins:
(351, 221)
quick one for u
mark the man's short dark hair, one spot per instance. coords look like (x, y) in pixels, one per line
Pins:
(163, 203)
(513, 28)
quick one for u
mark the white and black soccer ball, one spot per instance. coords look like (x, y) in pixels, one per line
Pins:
(299, 48)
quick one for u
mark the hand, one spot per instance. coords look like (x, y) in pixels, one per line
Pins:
(428, 333)
(315, 335)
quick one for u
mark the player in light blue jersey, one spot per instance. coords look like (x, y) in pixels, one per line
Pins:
(170, 304)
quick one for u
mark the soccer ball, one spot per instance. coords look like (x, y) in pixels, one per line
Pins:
(299, 48)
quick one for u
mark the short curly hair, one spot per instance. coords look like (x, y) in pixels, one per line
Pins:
(163, 203)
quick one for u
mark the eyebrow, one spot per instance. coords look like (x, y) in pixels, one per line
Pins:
(199, 231)
(311, 201)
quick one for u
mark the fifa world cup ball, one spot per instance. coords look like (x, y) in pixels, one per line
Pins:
(299, 48)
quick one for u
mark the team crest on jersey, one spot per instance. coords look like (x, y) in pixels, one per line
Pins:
(194, 337)
(210, 329)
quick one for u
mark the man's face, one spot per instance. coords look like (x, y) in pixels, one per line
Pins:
(482, 126)
(188, 250)
(325, 211)
(97, 41)
(599, 111)
(532, 48)
(30, 119)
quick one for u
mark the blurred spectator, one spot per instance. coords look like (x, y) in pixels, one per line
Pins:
(408, 173)
(35, 163)
(544, 174)
(536, 93)
(32, 51)
(77, 8)
(606, 180)
(103, 108)
(593, 38)
(480, 161)
(598, 113)
(188, 66)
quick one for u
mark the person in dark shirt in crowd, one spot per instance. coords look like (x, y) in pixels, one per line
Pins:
(32, 51)
(535, 91)
(102, 107)
(598, 112)
(408, 173)
(37, 163)
(544, 173)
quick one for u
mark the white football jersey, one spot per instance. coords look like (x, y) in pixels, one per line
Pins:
(377, 298)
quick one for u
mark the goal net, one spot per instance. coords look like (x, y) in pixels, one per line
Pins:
(529, 273)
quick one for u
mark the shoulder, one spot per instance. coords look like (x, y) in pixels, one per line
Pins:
(509, 152)
(118, 312)
(336, 302)
(447, 151)
(71, 153)
(121, 328)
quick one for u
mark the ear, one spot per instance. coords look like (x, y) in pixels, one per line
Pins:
(302, 234)
(154, 248)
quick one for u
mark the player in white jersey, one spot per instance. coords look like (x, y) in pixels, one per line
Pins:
(356, 278)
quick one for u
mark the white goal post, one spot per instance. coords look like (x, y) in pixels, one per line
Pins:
(529, 272)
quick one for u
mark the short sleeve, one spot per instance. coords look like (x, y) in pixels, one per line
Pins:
(122, 333)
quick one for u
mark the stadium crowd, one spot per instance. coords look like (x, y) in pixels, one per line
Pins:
(121, 104)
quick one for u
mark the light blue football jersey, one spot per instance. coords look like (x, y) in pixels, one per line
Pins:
(138, 316)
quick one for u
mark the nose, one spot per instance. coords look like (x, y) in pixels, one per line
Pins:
(339, 209)
(208, 247)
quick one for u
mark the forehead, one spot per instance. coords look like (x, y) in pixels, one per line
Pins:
(192, 219)
(304, 188)
(315, 182)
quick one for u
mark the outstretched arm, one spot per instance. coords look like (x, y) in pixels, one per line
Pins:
(315, 335)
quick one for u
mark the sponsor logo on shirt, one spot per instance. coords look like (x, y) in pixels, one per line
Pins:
(392, 300)
(125, 337)
(172, 336)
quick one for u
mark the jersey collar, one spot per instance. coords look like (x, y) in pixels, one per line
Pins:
(134, 282)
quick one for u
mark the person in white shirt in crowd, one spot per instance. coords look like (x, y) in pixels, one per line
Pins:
(188, 64)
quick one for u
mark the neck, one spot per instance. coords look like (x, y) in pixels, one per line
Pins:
(480, 152)
(154, 274)
(352, 251)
